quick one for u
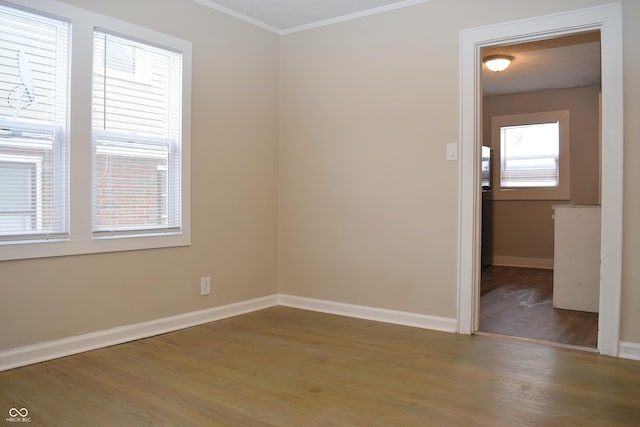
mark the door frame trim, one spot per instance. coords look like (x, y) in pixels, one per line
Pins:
(608, 20)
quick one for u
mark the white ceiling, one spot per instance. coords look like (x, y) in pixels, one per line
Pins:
(537, 66)
(286, 16)
(552, 68)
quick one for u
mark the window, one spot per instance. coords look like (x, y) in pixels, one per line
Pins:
(136, 131)
(114, 177)
(533, 156)
(33, 126)
(530, 155)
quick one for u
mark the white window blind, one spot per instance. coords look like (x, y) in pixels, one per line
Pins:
(530, 155)
(33, 126)
(137, 127)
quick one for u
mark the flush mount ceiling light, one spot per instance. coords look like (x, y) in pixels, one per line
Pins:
(497, 63)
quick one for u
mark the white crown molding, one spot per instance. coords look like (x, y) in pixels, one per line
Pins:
(238, 15)
(435, 323)
(352, 16)
(322, 23)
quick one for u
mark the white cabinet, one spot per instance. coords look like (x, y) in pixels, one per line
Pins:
(576, 267)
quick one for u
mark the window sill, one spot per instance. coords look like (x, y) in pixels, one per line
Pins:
(531, 194)
(54, 248)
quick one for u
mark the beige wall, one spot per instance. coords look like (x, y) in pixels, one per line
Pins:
(355, 157)
(368, 202)
(524, 229)
(234, 197)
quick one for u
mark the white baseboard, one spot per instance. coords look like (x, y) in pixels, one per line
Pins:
(629, 350)
(445, 324)
(27, 355)
(515, 261)
(30, 354)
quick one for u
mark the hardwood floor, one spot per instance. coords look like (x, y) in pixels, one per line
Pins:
(288, 367)
(518, 302)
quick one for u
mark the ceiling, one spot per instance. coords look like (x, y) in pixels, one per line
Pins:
(287, 16)
(563, 62)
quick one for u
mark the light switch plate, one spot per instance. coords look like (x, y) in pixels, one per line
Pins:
(452, 151)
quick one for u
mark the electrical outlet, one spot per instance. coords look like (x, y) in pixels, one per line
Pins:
(205, 285)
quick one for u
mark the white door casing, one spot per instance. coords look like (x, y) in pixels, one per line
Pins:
(608, 20)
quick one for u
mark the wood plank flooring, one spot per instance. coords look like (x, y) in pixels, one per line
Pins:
(518, 302)
(288, 367)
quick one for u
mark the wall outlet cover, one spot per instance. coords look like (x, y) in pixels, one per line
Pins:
(205, 285)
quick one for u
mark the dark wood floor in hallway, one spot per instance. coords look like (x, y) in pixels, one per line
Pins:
(518, 302)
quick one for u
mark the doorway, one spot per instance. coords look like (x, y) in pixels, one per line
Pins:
(540, 129)
(606, 19)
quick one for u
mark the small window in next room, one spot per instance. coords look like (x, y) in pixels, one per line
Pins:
(532, 156)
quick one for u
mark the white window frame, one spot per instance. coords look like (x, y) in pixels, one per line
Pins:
(81, 240)
(560, 192)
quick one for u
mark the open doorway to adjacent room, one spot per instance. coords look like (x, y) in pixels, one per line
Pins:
(541, 181)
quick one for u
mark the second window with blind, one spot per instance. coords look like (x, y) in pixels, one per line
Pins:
(136, 123)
